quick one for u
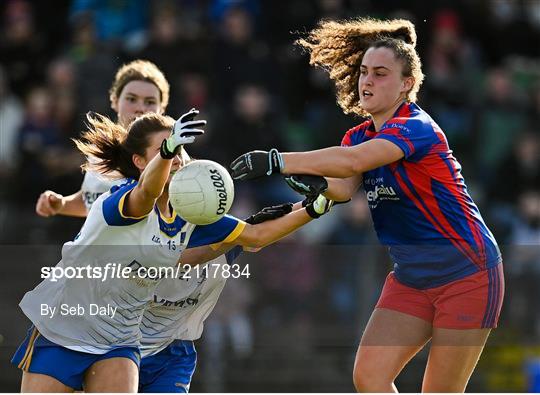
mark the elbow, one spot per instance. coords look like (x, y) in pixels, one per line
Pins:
(257, 244)
(340, 197)
(351, 163)
(356, 167)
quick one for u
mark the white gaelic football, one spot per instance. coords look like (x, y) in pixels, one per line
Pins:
(201, 192)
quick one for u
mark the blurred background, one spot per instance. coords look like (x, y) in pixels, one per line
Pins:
(295, 324)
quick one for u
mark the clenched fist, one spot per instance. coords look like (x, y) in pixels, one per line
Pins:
(49, 203)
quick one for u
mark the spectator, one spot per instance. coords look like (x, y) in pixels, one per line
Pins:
(500, 119)
(238, 56)
(93, 60)
(117, 22)
(42, 148)
(171, 32)
(524, 254)
(62, 83)
(23, 49)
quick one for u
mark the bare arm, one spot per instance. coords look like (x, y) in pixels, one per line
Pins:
(141, 199)
(253, 237)
(51, 203)
(342, 162)
(74, 205)
(199, 255)
(342, 189)
(260, 235)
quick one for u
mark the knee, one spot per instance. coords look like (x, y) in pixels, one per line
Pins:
(359, 381)
(370, 379)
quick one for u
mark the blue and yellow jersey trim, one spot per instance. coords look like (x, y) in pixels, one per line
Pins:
(226, 230)
(169, 226)
(236, 232)
(121, 208)
(232, 237)
(113, 206)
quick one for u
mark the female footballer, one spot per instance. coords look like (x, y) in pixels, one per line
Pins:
(132, 226)
(139, 87)
(447, 284)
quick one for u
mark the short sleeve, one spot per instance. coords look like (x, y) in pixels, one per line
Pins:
(346, 140)
(226, 230)
(410, 136)
(113, 206)
(354, 135)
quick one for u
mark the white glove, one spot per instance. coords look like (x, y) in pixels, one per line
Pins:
(184, 131)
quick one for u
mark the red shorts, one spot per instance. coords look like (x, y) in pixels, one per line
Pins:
(472, 302)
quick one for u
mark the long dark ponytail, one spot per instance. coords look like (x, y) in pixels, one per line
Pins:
(110, 148)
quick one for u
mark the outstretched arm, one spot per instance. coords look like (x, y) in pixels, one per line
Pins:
(342, 162)
(261, 235)
(338, 162)
(263, 228)
(141, 199)
(336, 189)
(342, 189)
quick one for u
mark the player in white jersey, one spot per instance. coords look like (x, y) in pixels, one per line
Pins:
(139, 87)
(172, 321)
(175, 317)
(133, 226)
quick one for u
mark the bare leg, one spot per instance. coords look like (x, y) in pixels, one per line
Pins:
(112, 375)
(453, 356)
(390, 340)
(35, 382)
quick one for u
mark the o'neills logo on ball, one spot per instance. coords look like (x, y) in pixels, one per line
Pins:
(220, 189)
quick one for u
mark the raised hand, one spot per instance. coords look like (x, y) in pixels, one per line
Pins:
(184, 131)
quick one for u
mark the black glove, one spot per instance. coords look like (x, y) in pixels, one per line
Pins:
(317, 206)
(269, 213)
(307, 185)
(256, 164)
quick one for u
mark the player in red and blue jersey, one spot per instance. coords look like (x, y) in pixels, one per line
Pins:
(447, 284)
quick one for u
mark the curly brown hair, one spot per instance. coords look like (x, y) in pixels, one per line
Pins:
(140, 70)
(339, 46)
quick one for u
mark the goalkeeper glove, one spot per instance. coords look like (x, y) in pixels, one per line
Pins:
(257, 164)
(184, 131)
(269, 213)
(307, 185)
